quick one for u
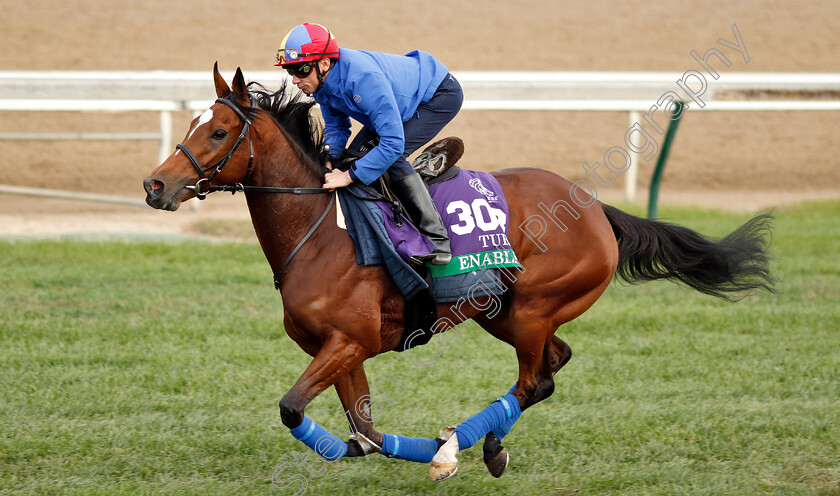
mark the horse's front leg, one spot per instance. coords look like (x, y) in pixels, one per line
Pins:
(354, 392)
(338, 356)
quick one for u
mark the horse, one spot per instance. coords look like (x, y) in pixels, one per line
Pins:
(570, 247)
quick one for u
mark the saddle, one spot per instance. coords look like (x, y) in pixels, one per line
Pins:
(438, 157)
(435, 160)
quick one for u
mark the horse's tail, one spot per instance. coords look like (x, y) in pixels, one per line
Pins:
(729, 268)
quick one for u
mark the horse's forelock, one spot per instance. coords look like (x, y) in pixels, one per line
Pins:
(291, 111)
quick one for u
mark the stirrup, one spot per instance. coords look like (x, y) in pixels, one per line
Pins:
(441, 258)
(432, 258)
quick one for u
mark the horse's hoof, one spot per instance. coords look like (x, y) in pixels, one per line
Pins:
(442, 470)
(497, 464)
(495, 455)
(445, 463)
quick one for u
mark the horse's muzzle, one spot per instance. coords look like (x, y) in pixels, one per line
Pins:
(155, 198)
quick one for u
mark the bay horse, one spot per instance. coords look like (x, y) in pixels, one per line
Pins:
(570, 246)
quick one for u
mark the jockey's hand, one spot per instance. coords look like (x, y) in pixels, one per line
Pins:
(337, 179)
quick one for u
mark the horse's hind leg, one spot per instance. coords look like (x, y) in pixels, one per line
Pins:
(539, 358)
(496, 456)
(561, 353)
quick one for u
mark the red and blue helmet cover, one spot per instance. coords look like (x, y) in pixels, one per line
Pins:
(306, 42)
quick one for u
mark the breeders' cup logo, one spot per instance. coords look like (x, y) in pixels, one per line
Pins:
(479, 186)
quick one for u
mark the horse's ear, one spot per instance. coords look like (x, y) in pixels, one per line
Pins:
(240, 89)
(222, 88)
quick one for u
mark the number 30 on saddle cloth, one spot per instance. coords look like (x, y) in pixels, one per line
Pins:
(474, 210)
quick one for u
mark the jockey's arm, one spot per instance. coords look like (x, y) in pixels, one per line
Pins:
(376, 101)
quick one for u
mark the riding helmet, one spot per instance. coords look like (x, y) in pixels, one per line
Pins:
(306, 42)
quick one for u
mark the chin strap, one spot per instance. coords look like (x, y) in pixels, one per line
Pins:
(321, 75)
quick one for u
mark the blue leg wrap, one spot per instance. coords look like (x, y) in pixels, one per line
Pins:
(505, 428)
(414, 449)
(328, 446)
(499, 414)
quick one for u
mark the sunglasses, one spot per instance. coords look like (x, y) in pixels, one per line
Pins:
(301, 70)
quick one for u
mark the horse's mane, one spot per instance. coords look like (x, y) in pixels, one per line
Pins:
(291, 110)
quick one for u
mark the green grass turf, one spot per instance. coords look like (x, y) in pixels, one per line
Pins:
(156, 368)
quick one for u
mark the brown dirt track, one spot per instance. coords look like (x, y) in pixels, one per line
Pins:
(727, 159)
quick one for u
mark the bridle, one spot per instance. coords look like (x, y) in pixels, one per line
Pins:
(202, 187)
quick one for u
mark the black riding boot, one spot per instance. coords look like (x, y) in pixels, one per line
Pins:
(413, 194)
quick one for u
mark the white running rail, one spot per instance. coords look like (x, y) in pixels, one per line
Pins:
(632, 92)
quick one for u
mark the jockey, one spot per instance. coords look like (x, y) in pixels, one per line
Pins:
(403, 101)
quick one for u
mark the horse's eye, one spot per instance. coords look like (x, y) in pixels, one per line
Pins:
(219, 134)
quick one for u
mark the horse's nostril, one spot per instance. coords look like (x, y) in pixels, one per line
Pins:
(153, 187)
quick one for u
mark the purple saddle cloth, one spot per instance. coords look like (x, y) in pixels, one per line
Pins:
(473, 209)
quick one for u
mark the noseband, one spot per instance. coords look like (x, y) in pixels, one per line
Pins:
(202, 186)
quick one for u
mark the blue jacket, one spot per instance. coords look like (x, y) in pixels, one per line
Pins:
(381, 91)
